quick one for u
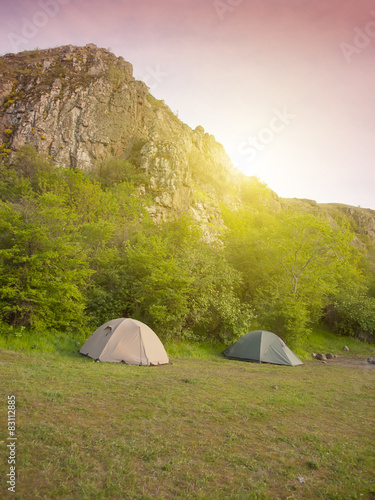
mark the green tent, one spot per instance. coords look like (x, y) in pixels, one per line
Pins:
(264, 347)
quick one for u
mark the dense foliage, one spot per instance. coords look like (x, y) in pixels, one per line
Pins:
(77, 250)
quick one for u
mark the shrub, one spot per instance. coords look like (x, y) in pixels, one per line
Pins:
(352, 315)
(28, 162)
(112, 171)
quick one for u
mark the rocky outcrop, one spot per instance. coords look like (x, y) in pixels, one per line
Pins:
(361, 221)
(80, 105)
(66, 102)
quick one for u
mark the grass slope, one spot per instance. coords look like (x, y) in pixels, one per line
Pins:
(196, 429)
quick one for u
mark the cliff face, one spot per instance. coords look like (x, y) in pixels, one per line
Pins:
(80, 105)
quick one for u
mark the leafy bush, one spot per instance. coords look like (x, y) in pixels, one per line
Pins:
(353, 314)
(116, 171)
(28, 163)
(287, 316)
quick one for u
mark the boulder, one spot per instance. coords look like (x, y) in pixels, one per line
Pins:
(321, 357)
(371, 360)
(345, 348)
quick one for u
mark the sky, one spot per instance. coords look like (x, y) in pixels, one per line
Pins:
(286, 86)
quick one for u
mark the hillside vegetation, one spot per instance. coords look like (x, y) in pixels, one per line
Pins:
(111, 206)
(77, 249)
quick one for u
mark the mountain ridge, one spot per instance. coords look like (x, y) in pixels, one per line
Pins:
(82, 106)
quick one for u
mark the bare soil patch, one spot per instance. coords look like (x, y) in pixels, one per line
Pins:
(351, 361)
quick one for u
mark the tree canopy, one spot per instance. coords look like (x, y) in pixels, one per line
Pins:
(79, 249)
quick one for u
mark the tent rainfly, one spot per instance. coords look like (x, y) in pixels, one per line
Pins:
(125, 340)
(264, 347)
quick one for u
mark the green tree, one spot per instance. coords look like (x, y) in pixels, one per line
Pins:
(167, 276)
(43, 272)
(292, 265)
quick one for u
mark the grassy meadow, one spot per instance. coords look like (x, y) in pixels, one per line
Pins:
(202, 427)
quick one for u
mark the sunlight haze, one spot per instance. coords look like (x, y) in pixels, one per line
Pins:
(285, 86)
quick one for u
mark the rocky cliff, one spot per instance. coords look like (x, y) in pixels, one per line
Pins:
(81, 105)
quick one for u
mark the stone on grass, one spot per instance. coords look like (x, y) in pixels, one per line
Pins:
(321, 357)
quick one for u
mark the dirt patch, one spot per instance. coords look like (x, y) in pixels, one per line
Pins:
(350, 361)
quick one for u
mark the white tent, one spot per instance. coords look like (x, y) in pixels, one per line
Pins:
(125, 340)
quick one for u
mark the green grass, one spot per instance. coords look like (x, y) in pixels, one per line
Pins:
(21, 339)
(202, 427)
(194, 350)
(324, 340)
